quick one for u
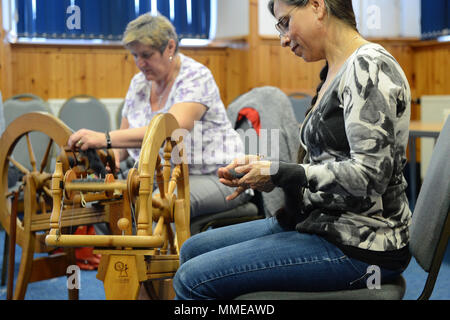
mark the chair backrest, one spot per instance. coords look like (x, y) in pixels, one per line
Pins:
(84, 111)
(431, 212)
(300, 103)
(19, 105)
(275, 113)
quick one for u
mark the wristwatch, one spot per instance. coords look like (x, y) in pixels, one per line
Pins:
(108, 140)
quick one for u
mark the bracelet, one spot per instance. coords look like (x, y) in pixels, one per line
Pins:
(108, 140)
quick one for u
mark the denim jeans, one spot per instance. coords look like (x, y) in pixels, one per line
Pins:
(260, 256)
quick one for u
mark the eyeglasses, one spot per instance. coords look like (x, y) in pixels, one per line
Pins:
(282, 25)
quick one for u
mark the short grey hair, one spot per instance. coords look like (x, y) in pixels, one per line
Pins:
(154, 31)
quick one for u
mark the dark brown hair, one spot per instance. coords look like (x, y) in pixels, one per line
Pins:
(341, 9)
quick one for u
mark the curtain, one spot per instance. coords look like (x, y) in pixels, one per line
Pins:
(435, 18)
(106, 19)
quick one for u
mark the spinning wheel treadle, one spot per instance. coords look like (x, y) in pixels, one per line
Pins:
(153, 251)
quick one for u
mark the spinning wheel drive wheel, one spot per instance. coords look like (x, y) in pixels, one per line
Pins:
(168, 171)
(58, 134)
(33, 189)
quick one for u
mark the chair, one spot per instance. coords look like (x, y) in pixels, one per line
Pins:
(274, 111)
(429, 236)
(14, 108)
(84, 111)
(300, 103)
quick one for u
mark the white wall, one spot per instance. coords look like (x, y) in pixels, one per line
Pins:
(376, 18)
(410, 18)
(266, 20)
(232, 18)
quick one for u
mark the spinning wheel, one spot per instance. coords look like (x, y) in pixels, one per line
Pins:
(36, 195)
(152, 252)
(36, 192)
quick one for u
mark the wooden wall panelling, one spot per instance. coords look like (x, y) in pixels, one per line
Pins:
(61, 72)
(236, 73)
(5, 62)
(285, 70)
(104, 72)
(431, 64)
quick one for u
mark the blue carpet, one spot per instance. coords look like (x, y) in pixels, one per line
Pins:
(92, 288)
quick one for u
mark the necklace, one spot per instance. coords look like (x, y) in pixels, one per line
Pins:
(162, 94)
(168, 85)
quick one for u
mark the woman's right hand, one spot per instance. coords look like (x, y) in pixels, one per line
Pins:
(256, 175)
(85, 139)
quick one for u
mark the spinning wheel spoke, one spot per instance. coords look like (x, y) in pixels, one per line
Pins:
(18, 165)
(173, 181)
(46, 154)
(47, 191)
(31, 153)
(160, 176)
(167, 165)
(42, 204)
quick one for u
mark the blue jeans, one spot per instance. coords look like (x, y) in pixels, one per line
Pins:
(260, 256)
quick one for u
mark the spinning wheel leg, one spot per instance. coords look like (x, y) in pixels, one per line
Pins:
(28, 241)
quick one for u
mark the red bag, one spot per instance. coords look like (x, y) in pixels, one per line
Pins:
(86, 259)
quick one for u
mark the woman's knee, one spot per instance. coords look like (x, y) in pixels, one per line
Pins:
(180, 285)
(191, 248)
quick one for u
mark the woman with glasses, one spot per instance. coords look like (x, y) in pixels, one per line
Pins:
(346, 212)
(170, 82)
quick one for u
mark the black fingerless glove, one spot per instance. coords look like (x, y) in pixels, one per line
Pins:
(288, 175)
(291, 178)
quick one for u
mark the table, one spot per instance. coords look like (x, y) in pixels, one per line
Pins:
(419, 129)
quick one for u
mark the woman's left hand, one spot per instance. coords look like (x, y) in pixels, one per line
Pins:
(257, 177)
(85, 139)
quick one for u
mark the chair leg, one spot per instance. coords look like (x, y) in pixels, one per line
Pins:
(5, 259)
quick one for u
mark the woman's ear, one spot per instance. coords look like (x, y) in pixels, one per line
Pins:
(171, 47)
(319, 8)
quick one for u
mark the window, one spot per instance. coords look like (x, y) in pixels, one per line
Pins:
(435, 19)
(104, 20)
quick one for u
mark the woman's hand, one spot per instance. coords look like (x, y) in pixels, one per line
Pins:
(257, 175)
(85, 139)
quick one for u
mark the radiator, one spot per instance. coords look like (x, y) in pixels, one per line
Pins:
(433, 109)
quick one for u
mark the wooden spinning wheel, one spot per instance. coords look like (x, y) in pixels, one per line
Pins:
(152, 253)
(35, 188)
(36, 196)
